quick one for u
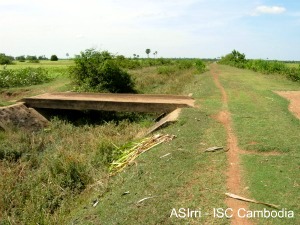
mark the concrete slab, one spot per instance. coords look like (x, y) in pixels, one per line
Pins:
(109, 102)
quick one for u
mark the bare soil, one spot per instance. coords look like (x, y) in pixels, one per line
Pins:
(20, 116)
(294, 98)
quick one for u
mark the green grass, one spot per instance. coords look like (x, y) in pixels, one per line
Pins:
(56, 175)
(57, 71)
(187, 178)
(259, 114)
(295, 65)
(263, 123)
(61, 170)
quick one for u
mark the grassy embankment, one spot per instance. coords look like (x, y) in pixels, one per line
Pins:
(53, 176)
(186, 178)
(263, 123)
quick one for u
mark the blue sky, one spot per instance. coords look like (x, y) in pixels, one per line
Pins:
(173, 28)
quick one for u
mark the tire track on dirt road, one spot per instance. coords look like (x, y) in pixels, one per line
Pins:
(234, 179)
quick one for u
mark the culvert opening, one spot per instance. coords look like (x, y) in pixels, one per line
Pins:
(95, 117)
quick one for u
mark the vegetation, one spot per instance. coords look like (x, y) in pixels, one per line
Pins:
(32, 59)
(23, 77)
(60, 175)
(5, 60)
(99, 71)
(51, 178)
(263, 124)
(42, 57)
(21, 58)
(42, 176)
(54, 58)
(239, 60)
(148, 51)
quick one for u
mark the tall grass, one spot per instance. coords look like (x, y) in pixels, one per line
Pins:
(41, 174)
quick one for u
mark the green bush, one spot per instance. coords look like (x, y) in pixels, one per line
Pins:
(200, 66)
(54, 58)
(128, 63)
(167, 70)
(100, 72)
(294, 73)
(235, 59)
(4, 59)
(21, 58)
(32, 59)
(184, 64)
(23, 77)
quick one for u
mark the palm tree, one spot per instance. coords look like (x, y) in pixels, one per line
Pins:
(148, 51)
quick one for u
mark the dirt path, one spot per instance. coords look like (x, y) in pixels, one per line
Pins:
(234, 180)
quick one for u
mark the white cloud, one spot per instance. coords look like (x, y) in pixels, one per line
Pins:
(263, 9)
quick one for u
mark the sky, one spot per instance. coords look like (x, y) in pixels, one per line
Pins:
(174, 28)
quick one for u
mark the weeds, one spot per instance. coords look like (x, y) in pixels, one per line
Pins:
(23, 77)
(42, 173)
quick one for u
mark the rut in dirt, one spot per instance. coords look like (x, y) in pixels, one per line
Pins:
(234, 179)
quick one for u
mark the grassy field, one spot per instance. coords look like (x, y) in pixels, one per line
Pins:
(57, 70)
(60, 175)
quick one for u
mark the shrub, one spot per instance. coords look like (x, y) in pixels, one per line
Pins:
(200, 66)
(23, 77)
(54, 58)
(234, 58)
(21, 58)
(184, 64)
(99, 71)
(168, 70)
(32, 59)
(4, 59)
(294, 73)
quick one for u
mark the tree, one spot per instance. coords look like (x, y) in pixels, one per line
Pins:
(4, 59)
(54, 58)
(32, 59)
(21, 58)
(42, 57)
(148, 51)
(100, 72)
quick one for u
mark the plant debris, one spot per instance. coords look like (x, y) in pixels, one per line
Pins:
(140, 201)
(130, 153)
(250, 200)
(165, 155)
(213, 149)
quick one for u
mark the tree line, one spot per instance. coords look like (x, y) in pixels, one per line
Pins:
(6, 59)
(237, 59)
